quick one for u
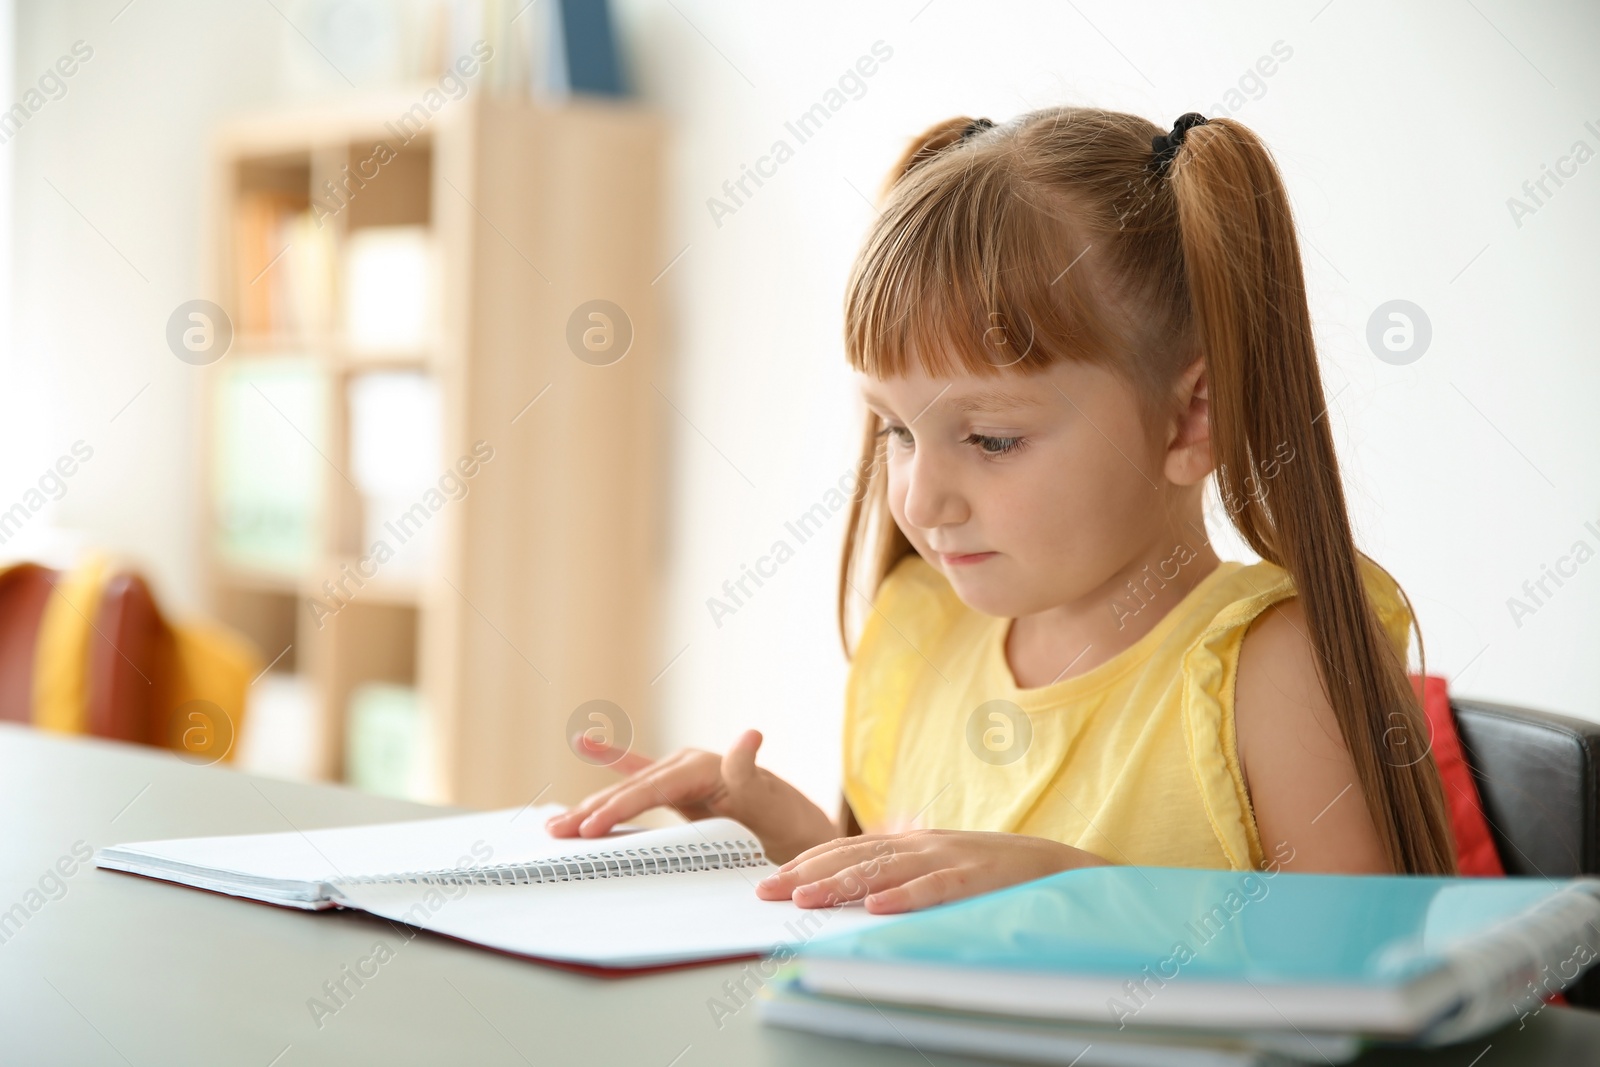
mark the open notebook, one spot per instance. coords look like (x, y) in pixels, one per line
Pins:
(643, 898)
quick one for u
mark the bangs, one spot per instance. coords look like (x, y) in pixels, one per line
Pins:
(971, 268)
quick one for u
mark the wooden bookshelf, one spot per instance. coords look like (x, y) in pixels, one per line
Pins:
(543, 590)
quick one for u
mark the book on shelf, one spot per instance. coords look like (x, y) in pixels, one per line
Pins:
(396, 433)
(269, 436)
(283, 266)
(388, 744)
(389, 291)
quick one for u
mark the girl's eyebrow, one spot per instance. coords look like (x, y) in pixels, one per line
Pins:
(980, 400)
(991, 400)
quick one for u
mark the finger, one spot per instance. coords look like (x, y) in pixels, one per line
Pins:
(739, 765)
(620, 760)
(862, 879)
(830, 860)
(566, 823)
(667, 787)
(936, 887)
(619, 804)
(828, 846)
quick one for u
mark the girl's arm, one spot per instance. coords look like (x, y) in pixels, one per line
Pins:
(1302, 781)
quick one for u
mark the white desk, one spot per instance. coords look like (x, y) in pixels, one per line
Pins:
(124, 970)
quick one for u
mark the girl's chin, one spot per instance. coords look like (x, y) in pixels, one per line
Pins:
(987, 596)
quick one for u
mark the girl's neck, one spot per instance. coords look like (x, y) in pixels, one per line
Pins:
(1072, 639)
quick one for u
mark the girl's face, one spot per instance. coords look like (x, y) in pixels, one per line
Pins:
(1028, 491)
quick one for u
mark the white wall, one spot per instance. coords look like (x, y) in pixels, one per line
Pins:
(107, 198)
(1402, 131)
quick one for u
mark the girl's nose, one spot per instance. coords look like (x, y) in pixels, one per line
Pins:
(932, 496)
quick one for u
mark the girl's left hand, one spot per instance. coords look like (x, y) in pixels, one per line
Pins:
(904, 872)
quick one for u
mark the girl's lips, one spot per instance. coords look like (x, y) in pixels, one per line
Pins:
(970, 557)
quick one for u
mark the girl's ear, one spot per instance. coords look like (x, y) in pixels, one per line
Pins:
(1189, 439)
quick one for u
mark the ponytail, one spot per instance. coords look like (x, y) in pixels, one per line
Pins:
(1250, 317)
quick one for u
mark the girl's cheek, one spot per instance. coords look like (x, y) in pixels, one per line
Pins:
(911, 533)
(897, 502)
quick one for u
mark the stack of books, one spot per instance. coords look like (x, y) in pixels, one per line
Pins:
(1123, 965)
(283, 266)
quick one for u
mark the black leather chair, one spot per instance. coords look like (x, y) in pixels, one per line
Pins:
(1539, 777)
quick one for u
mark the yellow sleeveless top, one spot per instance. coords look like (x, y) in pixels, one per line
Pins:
(1134, 760)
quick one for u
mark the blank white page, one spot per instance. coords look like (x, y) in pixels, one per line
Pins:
(480, 839)
(629, 921)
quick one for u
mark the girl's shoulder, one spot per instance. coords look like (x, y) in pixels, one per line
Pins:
(1251, 589)
(1210, 685)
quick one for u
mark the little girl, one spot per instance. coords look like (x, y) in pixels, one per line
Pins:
(1063, 325)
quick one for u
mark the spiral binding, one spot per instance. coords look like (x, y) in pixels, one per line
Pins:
(615, 863)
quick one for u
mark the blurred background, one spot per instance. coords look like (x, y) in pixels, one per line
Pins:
(396, 388)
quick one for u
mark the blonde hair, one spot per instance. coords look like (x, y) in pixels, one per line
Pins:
(1007, 248)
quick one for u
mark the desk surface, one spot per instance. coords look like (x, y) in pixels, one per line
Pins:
(125, 970)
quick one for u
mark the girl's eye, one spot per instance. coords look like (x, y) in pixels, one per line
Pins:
(995, 446)
(899, 433)
(989, 446)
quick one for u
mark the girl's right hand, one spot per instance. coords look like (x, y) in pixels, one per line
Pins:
(701, 785)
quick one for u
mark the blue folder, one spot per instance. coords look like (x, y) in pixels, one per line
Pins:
(1430, 959)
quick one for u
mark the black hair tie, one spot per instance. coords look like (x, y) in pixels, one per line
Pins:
(1165, 145)
(975, 126)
